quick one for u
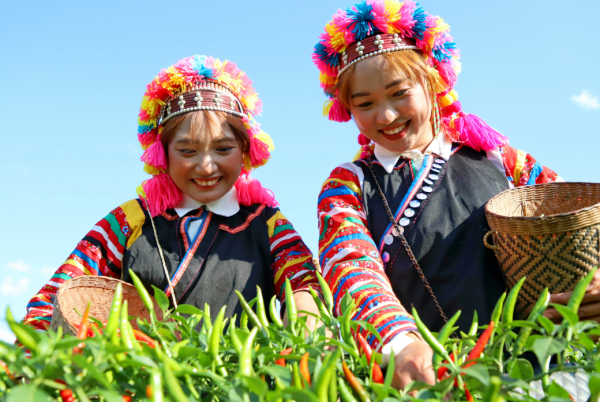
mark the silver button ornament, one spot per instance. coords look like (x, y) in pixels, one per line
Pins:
(427, 189)
(388, 239)
(409, 212)
(434, 176)
(404, 222)
(421, 196)
(415, 204)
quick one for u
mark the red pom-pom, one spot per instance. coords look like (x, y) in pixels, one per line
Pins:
(155, 156)
(250, 192)
(338, 112)
(448, 111)
(363, 139)
(162, 193)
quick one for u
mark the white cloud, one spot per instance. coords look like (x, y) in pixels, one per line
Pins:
(586, 100)
(48, 270)
(11, 288)
(19, 265)
(6, 335)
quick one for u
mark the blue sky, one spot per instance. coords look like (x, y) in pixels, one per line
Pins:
(73, 74)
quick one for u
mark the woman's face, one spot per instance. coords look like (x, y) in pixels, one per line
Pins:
(388, 107)
(206, 169)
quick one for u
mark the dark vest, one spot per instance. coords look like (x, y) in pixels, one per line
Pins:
(445, 235)
(231, 254)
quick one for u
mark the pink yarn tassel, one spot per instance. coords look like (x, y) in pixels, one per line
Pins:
(259, 152)
(363, 139)
(448, 111)
(162, 193)
(155, 156)
(476, 134)
(148, 138)
(338, 112)
(250, 192)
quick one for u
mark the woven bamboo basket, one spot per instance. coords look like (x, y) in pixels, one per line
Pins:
(99, 290)
(549, 233)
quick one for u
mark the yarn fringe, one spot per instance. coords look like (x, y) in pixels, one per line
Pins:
(259, 152)
(162, 193)
(250, 192)
(155, 156)
(337, 112)
(476, 134)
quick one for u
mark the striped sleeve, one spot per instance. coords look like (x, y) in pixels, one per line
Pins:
(99, 253)
(522, 169)
(290, 257)
(350, 260)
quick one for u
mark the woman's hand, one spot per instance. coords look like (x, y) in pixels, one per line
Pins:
(589, 308)
(414, 363)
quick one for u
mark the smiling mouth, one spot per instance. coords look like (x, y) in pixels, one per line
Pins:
(207, 183)
(396, 129)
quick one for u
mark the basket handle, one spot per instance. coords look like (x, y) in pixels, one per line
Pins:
(485, 240)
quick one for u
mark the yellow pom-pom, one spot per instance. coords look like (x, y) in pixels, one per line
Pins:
(140, 191)
(151, 169)
(326, 106)
(266, 138)
(454, 95)
(446, 100)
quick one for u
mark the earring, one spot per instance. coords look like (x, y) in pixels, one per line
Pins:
(435, 117)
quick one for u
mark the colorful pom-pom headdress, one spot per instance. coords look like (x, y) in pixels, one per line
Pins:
(375, 27)
(193, 84)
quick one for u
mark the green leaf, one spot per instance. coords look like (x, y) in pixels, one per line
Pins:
(479, 372)
(415, 386)
(522, 370)
(92, 370)
(566, 312)
(28, 393)
(546, 324)
(293, 393)
(546, 347)
(522, 323)
(279, 372)
(594, 383)
(187, 309)
(369, 327)
(67, 343)
(161, 299)
(556, 390)
(256, 385)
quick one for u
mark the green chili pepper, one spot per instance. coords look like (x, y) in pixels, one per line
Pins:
(447, 328)
(290, 303)
(261, 312)
(251, 314)
(235, 340)
(26, 338)
(144, 295)
(429, 338)
(323, 381)
(319, 303)
(206, 321)
(275, 314)
(540, 306)
(474, 324)
(333, 388)
(175, 390)
(296, 376)
(511, 301)
(215, 335)
(345, 393)
(579, 291)
(115, 311)
(245, 363)
(493, 390)
(498, 309)
(156, 389)
(326, 290)
(126, 337)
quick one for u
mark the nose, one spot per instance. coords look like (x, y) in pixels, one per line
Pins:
(386, 114)
(206, 165)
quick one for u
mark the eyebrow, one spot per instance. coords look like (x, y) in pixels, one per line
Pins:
(388, 86)
(218, 140)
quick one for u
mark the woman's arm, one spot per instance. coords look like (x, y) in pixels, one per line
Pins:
(99, 253)
(350, 260)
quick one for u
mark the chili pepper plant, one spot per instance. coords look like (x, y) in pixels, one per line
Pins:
(198, 355)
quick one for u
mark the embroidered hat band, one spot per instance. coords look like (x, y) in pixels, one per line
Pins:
(372, 46)
(202, 96)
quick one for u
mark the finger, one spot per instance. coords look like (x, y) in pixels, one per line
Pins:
(551, 314)
(589, 310)
(560, 298)
(591, 296)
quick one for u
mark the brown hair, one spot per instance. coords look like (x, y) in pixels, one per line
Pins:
(410, 62)
(206, 124)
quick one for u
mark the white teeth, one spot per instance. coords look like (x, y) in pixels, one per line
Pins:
(396, 130)
(206, 183)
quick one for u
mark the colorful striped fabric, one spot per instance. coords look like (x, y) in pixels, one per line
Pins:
(350, 260)
(522, 169)
(101, 253)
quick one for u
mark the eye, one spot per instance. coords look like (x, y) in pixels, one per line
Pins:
(224, 149)
(187, 151)
(364, 105)
(401, 92)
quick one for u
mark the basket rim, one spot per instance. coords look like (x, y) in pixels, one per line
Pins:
(546, 218)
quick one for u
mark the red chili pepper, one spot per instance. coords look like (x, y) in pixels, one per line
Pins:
(443, 369)
(285, 352)
(360, 391)
(126, 398)
(142, 337)
(67, 395)
(480, 345)
(377, 373)
(468, 394)
(304, 368)
(5, 367)
(83, 328)
(149, 391)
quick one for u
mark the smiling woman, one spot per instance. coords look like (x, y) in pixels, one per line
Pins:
(219, 231)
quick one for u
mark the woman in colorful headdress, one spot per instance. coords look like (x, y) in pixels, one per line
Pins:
(403, 223)
(217, 228)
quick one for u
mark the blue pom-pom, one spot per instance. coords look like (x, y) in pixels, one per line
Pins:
(442, 53)
(362, 16)
(144, 128)
(331, 59)
(199, 65)
(420, 26)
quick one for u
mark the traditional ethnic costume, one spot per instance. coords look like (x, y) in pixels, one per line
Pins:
(238, 242)
(436, 198)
